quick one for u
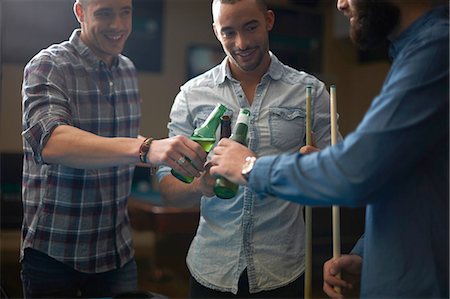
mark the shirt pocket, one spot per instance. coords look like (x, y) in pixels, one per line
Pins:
(202, 114)
(287, 127)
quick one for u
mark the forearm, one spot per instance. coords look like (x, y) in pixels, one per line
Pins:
(178, 194)
(76, 148)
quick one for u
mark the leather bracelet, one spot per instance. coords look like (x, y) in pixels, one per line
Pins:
(143, 150)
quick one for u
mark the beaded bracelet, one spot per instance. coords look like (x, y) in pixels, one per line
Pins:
(143, 150)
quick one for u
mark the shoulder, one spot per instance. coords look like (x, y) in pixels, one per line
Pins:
(430, 34)
(289, 75)
(126, 62)
(55, 55)
(296, 77)
(208, 79)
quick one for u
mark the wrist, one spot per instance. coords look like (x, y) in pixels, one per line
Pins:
(144, 150)
(247, 167)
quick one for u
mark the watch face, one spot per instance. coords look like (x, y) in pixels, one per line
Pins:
(248, 166)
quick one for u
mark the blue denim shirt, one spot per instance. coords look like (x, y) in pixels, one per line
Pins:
(396, 163)
(266, 237)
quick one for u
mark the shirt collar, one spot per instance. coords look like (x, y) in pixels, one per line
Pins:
(275, 70)
(86, 52)
(411, 32)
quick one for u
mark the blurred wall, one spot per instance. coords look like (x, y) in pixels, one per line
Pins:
(187, 23)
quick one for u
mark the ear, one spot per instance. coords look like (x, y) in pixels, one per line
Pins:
(78, 11)
(270, 19)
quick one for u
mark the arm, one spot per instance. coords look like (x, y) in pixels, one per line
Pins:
(48, 127)
(178, 194)
(76, 148)
(407, 118)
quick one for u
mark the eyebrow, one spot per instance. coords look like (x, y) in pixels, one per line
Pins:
(252, 22)
(128, 7)
(102, 9)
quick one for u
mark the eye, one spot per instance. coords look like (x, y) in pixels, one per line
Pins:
(252, 27)
(126, 12)
(103, 14)
(228, 33)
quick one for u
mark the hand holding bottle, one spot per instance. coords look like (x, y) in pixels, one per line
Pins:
(171, 151)
(205, 136)
(228, 159)
(223, 188)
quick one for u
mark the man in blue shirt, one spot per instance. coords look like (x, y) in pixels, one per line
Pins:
(395, 163)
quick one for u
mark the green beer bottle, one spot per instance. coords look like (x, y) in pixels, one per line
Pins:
(205, 135)
(223, 188)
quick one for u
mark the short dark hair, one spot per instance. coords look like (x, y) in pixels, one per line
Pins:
(261, 3)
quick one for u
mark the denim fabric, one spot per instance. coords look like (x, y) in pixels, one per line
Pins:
(396, 163)
(266, 237)
(293, 290)
(45, 277)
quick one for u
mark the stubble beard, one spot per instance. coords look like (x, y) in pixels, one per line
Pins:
(376, 20)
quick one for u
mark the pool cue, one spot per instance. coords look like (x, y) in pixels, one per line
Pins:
(336, 222)
(308, 209)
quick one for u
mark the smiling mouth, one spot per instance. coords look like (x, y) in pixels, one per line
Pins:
(246, 53)
(114, 37)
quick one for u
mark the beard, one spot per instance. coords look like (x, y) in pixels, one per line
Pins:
(376, 19)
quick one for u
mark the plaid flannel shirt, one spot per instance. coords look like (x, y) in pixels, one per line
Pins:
(77, 216)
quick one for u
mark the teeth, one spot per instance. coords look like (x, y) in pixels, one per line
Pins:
(245, 54)
(114, 37)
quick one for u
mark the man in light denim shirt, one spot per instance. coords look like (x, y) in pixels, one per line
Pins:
(245, 245)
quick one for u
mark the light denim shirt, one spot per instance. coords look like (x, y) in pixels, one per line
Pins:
(266, 237)
(396, 163)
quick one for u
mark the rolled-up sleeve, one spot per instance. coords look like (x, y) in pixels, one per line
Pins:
(45, 104)
(180, 124)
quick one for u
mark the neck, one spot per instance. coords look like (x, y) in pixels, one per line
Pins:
(249, 77)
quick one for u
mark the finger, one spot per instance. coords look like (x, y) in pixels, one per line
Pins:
(335, 281)
(207, 167)
(330, 271)
(195, 153)
(186, 168)
(214, 169)
(330, 291)
(308, 149)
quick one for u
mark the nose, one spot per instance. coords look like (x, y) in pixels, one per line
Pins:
(342, 4)
(116, 22)
(241, 41)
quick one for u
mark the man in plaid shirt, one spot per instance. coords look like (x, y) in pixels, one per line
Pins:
(81, 114)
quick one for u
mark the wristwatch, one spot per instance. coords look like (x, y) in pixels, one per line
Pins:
(247, 167)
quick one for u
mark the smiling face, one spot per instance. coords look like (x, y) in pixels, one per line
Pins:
(105, 26)
(242, 28)
(371, 21)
